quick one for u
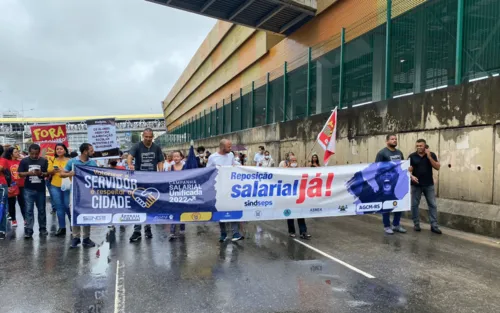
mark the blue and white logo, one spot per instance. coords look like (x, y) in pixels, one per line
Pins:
(287, 212)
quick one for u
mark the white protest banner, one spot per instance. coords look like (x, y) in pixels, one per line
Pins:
(278, 193)
(102, 136)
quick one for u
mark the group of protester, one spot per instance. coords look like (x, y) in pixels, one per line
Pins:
(24, 179)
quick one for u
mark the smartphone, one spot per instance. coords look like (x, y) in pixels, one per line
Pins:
(56, 167)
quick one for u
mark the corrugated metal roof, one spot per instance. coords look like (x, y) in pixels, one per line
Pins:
(272, 15)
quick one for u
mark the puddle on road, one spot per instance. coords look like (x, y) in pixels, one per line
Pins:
(93, 291)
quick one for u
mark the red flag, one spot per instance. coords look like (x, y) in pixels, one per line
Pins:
(328, 136)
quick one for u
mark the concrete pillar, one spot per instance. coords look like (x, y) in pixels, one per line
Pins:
(378, 83)
(323, 84)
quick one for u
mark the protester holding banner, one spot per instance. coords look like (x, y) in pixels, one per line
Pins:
(13, 160)
(300, 221)
(389, 154)
(314, 162)
(224, 157)
(3, 195)
(34, 170)
(267, 161)
(59, 196)
(177, 166)
(148, 157)
(86, 152)
(286, 161)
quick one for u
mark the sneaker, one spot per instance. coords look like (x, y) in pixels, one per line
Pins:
(87, 243)
(148, 233)
(9, 218)
(222, 238)
(236, 237)
(292, 235)
(399, 229)
(75, 242)
(135, 236)
(2, 235)
(171, 237)
(436, 230)
(388, 230)
(61, 232)
(305, 236)
(417, 227)
(44, 232)
(13, 223)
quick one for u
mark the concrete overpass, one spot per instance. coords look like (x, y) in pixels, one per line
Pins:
(17, 129)
(277, 16)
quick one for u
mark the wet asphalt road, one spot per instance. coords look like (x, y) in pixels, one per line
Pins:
(267, 272)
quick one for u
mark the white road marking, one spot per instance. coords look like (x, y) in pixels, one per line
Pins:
(119, 289)
(335, 259)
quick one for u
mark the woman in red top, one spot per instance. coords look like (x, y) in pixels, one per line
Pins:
(13, 158)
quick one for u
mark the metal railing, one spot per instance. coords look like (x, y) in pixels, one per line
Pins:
(406, 47)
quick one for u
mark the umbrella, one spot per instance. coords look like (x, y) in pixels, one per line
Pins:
(191, 161)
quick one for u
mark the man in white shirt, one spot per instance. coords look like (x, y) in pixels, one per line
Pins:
(259, 156)
(224, 157)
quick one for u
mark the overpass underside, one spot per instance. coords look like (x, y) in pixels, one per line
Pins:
(277, 16)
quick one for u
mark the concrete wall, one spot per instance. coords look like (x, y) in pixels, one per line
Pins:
(459, 123)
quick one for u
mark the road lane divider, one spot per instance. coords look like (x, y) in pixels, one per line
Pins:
(357, 270)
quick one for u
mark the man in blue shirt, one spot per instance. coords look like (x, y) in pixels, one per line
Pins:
(86, 151)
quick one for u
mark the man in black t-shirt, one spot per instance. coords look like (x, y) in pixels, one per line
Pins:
(147, 157)
(34, 170)
(422, 162)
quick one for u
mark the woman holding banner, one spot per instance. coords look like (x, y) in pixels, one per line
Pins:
(58, 192)
(177, 165)
(292, 163)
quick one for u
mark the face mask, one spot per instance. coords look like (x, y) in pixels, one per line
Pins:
(293, 165)
(267, 157)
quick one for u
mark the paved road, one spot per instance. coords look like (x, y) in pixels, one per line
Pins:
(268, 272)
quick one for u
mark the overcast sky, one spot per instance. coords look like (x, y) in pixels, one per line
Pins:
(93, 57)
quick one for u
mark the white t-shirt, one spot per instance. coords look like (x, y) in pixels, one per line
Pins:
(217, 159)
(258, 157)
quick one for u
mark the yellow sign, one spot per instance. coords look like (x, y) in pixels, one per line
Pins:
(196, 217)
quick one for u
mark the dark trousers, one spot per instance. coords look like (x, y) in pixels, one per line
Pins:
(302, 226)
(20, 201)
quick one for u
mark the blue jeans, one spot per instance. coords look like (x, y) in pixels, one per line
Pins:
(4, 207)
(430, 197)
(61, 201)
(235, 226)
(52, 202)
(32, 197)
(386, 217)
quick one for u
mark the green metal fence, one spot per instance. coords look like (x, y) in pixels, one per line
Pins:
(391, 53)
